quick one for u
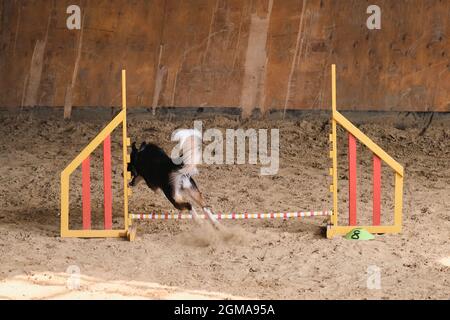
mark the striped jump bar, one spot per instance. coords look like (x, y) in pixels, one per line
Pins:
(231, 216)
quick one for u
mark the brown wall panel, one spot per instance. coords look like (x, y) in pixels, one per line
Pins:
(267, 54)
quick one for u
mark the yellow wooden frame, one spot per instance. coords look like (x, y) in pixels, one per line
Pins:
(337, 118)
(121, 118)
(130, 231)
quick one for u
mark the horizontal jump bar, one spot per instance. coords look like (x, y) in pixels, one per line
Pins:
(231, 216)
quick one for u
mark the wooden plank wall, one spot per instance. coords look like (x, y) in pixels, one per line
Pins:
(266, 54)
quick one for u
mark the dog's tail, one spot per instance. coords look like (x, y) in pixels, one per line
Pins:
(190, 142)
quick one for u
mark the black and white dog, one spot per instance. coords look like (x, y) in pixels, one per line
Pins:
(173, 177)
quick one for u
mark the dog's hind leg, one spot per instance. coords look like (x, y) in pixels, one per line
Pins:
(188, 206)
(196, 197)
(195, 216)
(210, 216)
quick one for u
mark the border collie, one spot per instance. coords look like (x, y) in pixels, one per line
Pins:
(174, 177)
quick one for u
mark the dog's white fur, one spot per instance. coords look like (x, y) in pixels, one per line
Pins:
(190, 141)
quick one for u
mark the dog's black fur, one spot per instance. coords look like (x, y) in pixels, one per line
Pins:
(152, 164)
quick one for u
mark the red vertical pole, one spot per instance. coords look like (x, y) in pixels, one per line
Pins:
(352, 180)
(86, 193)
(107, 195)
(376, 190)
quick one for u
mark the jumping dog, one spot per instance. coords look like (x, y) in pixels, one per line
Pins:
(173, 177)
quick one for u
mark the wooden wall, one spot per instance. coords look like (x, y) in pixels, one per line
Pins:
(266, 54)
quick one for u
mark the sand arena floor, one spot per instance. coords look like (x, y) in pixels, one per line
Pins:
(252, 259)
